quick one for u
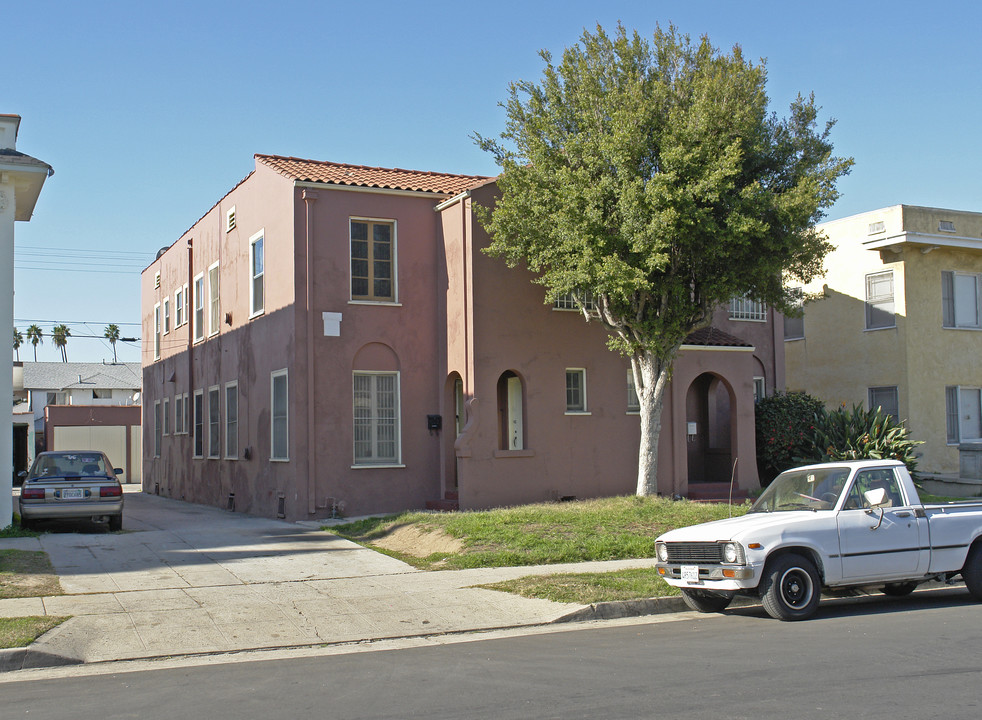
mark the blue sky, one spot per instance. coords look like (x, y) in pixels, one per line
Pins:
(150, 112)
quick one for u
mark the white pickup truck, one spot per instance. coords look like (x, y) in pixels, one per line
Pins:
(839, 526)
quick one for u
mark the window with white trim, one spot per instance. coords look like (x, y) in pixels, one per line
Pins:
(178, 414)
(199, 424)
(376, 418)
(180, 297)
(633, 401)
(879, 301)
(886, 398)
(231, 420)
(214, 422)
(166, 311)
(760, 389)
(280, 425)
(166, 414)
(742, 308)
(572, 301)
(257, 300)
(213, 302)
(157, 429)
(960, 300)
(372, 260)
(575, 390)
(156, 331)
(198, 296)
(963, 414)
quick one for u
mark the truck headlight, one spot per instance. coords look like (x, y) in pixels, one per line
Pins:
(661, 550)
(732, 553)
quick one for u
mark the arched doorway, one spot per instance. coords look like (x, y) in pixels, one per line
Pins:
(710, 424)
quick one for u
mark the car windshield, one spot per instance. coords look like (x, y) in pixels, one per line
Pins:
(813, 489)
(69, 465)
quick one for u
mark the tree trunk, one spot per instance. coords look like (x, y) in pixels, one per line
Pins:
(650, 380)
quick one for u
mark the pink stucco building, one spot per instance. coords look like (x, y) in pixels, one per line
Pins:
(331, 337)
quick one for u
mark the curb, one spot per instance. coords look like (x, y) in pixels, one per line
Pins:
(27, 658)
(638, 608)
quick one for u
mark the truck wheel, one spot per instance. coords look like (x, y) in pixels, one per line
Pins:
(972, 572)
(705, 601)
(791, 588)
(901, 589)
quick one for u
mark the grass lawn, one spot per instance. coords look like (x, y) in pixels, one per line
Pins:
(587, 588)
(26, 573)
(22, 631)
(603, 529)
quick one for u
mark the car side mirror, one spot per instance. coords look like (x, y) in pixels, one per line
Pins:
(22, 474)
(876, 497)
(118, 471)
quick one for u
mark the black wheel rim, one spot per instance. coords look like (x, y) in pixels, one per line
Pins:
(796, 588)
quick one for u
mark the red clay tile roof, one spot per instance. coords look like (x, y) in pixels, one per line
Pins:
(715, 337)
(374, 177)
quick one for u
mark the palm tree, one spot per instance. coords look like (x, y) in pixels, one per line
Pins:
(112, 335)
(35, 335)
(60, 334)
(18, 341)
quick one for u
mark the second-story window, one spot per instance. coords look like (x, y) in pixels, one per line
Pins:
(960, 300)
(879, 301)
(199, 307)
(179, 299)
(213, 304)
(372, 260)
(742, 308)
(257, 290)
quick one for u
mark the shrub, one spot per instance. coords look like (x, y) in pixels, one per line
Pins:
(784, 423)
(858, 434)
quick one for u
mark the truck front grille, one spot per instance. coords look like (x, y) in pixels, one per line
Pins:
(695, 552)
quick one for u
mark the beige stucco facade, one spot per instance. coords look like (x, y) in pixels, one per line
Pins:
(840, 358)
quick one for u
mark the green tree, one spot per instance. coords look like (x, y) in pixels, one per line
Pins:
(35, 335)
(112, 335)
(18, 341)
(60, 335)
(651, 175)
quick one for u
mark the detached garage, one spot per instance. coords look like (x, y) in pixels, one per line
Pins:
(113, 429)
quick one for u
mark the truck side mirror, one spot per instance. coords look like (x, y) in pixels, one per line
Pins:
(876, 497)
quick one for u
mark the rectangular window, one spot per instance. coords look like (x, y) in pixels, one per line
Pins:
(178, 414)
(257, 300)
(571, 301)
(879, 301)
(231, 420)
(213, 304)
(156, 332)
(575, 390)
(179, 298)
(760, 390)
(214, 422)
(633, 401)
(280, 427)
(742, 308)
(157, 429)
(885, 398)
(960, 300)
(199, 424)
(166, 307)
(372, 260)
(376, 418)
(198, 297)
(102, 394)
(187, 414)
(794, 326)
(963, 412)
(166, 414)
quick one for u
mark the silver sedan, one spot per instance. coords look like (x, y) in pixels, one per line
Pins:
(72, 485)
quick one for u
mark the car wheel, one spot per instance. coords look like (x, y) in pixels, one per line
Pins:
(791, 589)
(901, 589)
(972, 571)
(706, 601)
(115, 523)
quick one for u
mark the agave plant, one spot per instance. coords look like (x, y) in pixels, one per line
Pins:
(860, 434)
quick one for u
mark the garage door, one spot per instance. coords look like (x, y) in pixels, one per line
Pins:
(110, 439)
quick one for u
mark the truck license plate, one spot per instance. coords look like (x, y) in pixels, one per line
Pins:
(690, 573)
(71, 494)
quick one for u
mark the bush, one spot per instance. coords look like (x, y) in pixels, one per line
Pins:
(858, 434)
(785, 423)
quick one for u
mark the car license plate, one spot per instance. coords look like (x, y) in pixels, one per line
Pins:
(71, 494)
(690, 573)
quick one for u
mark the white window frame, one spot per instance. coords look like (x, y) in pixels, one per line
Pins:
(393, 261)
(954, 427)
(165, 306)
(198, 424)
(166, 415)
(214, 416)
(178, 414)
(373, 460)
(257, 309)
(214, 300)
(187, 414)
(873, 404)
(198, 300)
(180, 306)
(581, 408)
(745, 309)
(157, 429)
(567, 302)
(232, 426)
(950, 315)
(284, 420)
(880, 303)
(760, 389)
(156, 331)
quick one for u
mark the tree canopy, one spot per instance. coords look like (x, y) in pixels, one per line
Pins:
(653, 176)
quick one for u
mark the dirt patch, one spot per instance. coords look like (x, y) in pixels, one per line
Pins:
(410, 540)
(27, 574)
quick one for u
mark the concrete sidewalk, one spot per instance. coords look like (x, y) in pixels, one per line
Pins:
(186, 579)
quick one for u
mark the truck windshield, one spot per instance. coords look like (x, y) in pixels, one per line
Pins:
(815, 489)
